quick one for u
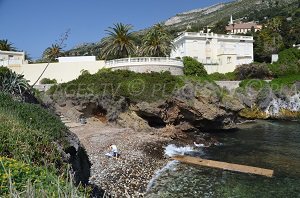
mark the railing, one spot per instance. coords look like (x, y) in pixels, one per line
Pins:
(143, 61)
(10, 62)
(209, 62)
(212, 35)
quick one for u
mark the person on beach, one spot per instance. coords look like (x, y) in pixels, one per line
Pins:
(114, 151)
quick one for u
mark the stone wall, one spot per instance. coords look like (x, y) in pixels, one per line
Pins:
(175, 70)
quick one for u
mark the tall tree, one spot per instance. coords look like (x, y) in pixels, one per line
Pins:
(119, 43)
(53, 52)
(6, 46)
(157, 42)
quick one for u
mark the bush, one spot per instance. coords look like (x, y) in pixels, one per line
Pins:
(134, 86)
(192, 67)
(253, 70)
(289, 55)
(230, 76)
(48, 81)
(284, 69)
(288, 63)
(13, 83)
(253, 83)
(278, 83)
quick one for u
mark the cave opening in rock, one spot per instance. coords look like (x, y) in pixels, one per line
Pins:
(100, 113)
(153, 121)
(96, 111)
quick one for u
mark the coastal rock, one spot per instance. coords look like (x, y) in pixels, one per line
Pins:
(281, 102)
(197, 107)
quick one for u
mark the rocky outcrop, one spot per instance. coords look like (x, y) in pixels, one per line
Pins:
(193, 108)
(271, 102)
(75, 107)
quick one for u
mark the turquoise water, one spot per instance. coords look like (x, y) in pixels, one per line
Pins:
(271, 145)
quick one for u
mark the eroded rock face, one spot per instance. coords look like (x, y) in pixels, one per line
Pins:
(75, 107)
(195, 107)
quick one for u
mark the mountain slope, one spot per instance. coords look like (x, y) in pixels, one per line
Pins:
(213, 14)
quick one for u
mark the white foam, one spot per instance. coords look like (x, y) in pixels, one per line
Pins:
(172, 150)
(170, 165)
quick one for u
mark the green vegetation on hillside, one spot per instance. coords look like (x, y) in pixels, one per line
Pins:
(135, 86)
(28, 151)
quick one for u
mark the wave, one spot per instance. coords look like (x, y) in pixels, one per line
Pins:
(172, 150)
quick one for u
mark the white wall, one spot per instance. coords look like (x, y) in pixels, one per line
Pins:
(62, 72)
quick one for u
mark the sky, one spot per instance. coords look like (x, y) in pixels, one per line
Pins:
(33, 25)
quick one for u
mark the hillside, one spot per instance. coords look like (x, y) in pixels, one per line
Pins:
(202, 17)
(213, 14)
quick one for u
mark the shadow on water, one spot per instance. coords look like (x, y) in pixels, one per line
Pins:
(265, 144)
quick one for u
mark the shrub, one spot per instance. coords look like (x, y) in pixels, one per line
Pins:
(253, 70)
(283, 69)
(289, 55)
(192, 67)
(13, 83)
(278, 83)
(48, 81)
(253, 83)
(288, 63)
(230, 76)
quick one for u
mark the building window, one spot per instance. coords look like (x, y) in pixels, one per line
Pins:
(195, 57)
(228, 60)
(208, 60)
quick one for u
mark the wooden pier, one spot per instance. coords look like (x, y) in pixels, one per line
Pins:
(224, 165)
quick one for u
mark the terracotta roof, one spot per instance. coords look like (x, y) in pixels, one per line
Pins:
(243, 26)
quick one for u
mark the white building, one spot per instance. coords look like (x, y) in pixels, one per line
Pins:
(219, 53)
(11, 58)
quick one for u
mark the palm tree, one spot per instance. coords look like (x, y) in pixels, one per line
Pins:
(53, 52)
(157, 42)
(119, 43)
(6, 46)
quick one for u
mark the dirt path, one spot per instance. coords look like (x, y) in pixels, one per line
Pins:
(141, 156)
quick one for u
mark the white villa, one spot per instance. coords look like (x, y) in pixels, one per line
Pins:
(10, 58)
(218, 52)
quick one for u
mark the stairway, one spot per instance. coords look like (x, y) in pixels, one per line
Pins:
(69, 123)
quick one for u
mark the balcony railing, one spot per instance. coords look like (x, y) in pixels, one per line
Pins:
(212, 35)
(144, 61)
(10, 62)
